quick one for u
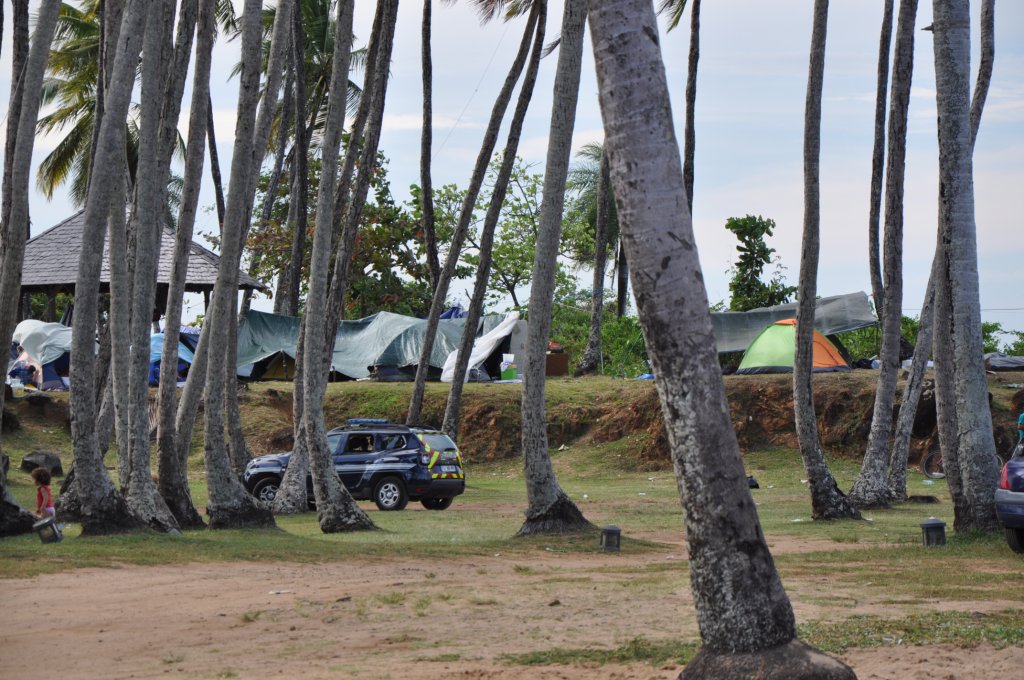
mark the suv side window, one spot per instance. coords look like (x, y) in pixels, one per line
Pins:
(334, 443)
(359, 442)
(393, 442)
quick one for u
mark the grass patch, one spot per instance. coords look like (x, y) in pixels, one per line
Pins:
(999, 629)
(637, 650)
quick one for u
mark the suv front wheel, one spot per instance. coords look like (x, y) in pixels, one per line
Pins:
(266, 489)
(389, 494)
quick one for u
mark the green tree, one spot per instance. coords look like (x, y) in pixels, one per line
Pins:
(747, 288)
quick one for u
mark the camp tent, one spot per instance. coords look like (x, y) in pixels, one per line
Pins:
(774, 350)
(266, 344)
(49, 345)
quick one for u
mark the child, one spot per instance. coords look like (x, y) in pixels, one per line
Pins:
(44, 499)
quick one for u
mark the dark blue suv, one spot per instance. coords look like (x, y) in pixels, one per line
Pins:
(380, 461)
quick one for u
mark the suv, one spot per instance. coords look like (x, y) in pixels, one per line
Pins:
(376, 459)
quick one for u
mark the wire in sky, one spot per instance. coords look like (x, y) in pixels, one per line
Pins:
(472, 94)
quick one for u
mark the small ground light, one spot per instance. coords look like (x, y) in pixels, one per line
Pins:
(933, 532)
(610, 536)
(48, 530)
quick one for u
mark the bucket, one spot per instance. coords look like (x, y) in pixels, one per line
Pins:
(48, 530)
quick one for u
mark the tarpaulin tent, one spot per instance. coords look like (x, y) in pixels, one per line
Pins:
(383, 339)
(483, 348)
(156, 348)
(734, 331)
(774, 350)
(48, 344)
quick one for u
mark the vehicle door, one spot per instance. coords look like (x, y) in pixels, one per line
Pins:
(334, 441)
(356, 453)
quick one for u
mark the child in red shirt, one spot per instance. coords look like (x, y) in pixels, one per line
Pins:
(44, 498)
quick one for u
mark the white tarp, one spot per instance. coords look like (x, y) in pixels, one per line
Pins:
(483, 347)
(43, 341)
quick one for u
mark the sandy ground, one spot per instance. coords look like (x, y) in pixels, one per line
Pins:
(400, 618)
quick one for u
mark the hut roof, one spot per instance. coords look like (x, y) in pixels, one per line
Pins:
(51, 261)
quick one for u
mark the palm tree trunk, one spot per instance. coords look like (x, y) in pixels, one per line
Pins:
(15, 208)
(230, 505)
(301, 168)
(746, 621)
(171, 468)
(878, 159)
(591, 361)
(871, 488)
(336, 510)
(689, 133)
(549, 508)
(292, 497)
(827, 501)
(900, 452)
(486, 246)
(483, 159)
(957, 285)
(622, 281)
(102, 507)
(218, 182)
(426, 138)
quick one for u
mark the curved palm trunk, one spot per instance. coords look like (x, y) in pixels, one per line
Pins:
(103, 510)
(336, 510)
(957, 283)
(465, 217)
(292, 497)
(486, 246)
(426, 139)
(878, 159)
(871, 488)
(172, 471)
(218, 182)
(549, 509)
(591, 361)
(827, 501)
(230, 505)
(897, 479)
(745, 618)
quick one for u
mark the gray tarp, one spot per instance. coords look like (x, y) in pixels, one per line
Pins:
(43, 341)
(384, 339)
(734, 331)
(997, 361)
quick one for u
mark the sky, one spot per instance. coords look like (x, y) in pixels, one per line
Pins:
(749, 131)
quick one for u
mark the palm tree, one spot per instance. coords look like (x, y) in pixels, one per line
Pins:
(426, 139)
(965, 424)
(486, 245)
(827, 501)
(488, 8)
(594, 198)
(550, 510)
(230, 505)
(103, 510)
(871, 488)
(675, 9)
(878, 157)
(171, 467)
(746, 621)
(24, 91)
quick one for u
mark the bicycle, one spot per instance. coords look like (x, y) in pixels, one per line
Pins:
(932, 467)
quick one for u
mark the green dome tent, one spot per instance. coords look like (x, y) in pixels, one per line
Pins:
(774, 349)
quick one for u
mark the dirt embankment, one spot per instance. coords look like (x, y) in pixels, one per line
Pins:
(605, 410)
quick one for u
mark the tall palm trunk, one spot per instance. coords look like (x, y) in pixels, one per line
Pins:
(549, 508)
(486, 247)
(957, 283)
(465, 217)
(871, 488)
(878, 158)
(745, 618)
(591, 361)
(426, 139)
(218, 182)
(689, 133)
(622, 281)
(336, 510)
(15, 215)
(230, 506)
(103, 510)
(827, 501)
(20, 48)
(172, 468)
(300, 168)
